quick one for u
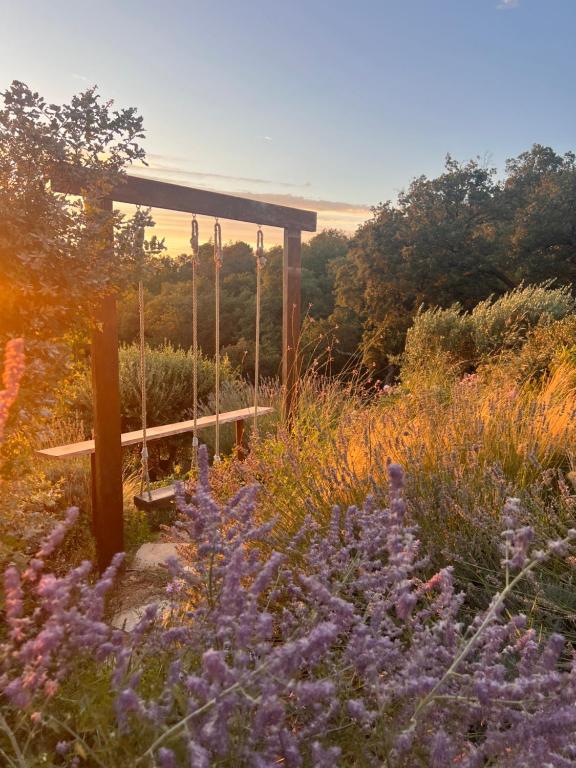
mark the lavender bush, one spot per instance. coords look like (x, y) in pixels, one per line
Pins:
(338, 651)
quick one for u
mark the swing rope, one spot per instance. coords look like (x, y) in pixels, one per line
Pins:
(194, 242)
(260, 263)
(195, 252)
(145, 478)
(217, 268)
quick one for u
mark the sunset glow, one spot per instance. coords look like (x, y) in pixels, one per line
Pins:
(300, 494)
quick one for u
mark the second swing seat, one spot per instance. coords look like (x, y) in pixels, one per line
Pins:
(158, 498)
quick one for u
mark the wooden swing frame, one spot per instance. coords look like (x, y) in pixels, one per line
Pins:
(106, 449)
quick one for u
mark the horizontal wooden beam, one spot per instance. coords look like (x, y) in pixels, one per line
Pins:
(151, 193)
(86, 447)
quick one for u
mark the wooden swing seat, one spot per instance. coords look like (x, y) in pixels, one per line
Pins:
(87, 447)
(159, 498)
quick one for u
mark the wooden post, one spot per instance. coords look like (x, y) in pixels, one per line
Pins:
(291, 279)
(107, 494)
(92, 482)
(241, 450)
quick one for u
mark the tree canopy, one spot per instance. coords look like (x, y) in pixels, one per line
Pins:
(168, 306)
(52, 262)
(460, 237)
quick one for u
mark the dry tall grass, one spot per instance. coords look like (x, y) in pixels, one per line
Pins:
(466, 445)
(474, 422)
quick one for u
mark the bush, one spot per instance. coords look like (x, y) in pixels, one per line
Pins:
(169, 400)
(168, 386)
(504, 322)
(437, 330)
(439, 348)
(356, 658)
(37, 491)
(543, 346)
(465, 339)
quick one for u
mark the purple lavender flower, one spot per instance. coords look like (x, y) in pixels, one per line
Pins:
(166, 758)
(264, 662)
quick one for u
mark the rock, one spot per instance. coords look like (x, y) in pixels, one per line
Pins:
(128, 618)
(147, 579)
(154, 554)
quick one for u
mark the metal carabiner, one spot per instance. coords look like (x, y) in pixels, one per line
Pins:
(194, 242)
(259, 253)
(217, 244)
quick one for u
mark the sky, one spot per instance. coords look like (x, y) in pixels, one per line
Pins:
(321, 104)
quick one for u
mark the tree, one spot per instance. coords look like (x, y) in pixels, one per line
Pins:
(321, 257)
(539, 203)
(53, 264)
(460, 237)
(168, 308)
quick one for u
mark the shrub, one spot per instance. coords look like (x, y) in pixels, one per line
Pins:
(356, 658)
(504, 322)
(168, 386)
(436, 331)
(37, 492)
(452, 337)
(544, 344)
(168, 399)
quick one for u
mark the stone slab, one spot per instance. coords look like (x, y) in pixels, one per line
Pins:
(153, 554)
(128, 618)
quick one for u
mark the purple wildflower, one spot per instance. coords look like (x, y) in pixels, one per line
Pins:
(262, 663)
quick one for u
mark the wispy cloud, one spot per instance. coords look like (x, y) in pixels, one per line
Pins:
(508, 5)
(165, 171)
(82, 78)
(175, 226)
(313, 204)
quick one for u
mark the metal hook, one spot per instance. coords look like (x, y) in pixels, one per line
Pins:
(217, 244)
(194, 239)
(260, 258)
